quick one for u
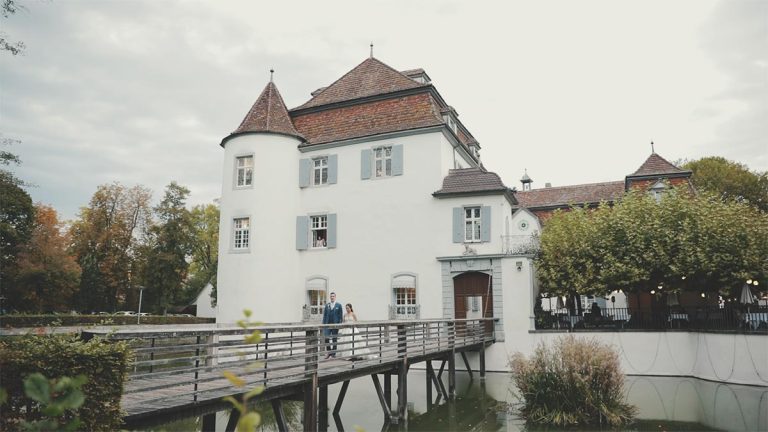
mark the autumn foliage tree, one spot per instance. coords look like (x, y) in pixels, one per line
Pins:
(107, 238)
(683, 242)
(48, 276)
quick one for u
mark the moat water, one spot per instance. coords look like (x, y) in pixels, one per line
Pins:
(664, 404)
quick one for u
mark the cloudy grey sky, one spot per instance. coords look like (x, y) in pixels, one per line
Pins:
(141, 92)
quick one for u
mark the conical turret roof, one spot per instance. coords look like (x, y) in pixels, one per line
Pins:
(268, 114)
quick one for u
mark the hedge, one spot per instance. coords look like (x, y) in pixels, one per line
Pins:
(105, 364)
(15, 321)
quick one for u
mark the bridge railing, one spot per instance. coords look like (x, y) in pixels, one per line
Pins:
(175, 364)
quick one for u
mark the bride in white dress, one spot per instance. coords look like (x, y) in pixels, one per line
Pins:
(352, 344)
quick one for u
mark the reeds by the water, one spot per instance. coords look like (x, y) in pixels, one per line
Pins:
(572, 382)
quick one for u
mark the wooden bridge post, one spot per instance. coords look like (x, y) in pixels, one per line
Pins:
(452, 361)
(429, 374)
(323, 409)
(482, 361)
(402, 392)
(209, 422)
(388, 388)
(310, 388)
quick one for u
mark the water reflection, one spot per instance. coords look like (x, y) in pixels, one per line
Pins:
(664, 403)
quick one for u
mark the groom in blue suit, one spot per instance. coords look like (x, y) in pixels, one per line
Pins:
(331, 315)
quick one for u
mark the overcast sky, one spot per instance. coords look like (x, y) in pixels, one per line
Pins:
(141, 92)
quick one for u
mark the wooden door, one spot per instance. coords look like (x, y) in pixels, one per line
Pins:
(472, 288)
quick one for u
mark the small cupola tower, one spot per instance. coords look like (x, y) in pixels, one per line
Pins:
(526, 181)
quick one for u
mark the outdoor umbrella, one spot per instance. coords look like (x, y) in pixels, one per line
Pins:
(672, 299)
(746, 295)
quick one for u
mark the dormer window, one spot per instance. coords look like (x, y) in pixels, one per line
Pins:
(657, 190)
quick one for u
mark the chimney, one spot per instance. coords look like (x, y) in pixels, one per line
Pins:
(547, 185)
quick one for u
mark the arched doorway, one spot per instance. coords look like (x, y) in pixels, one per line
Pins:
(473, 296)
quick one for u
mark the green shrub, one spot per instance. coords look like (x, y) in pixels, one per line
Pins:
(104, 365)
(573, 382)
(15, 321)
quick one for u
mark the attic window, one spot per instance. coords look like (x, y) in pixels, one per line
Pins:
(657, 190)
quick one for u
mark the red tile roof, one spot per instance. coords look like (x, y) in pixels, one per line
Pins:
(566, 195)
(467, 180)
(371, 118)
(656, 164)
(369, 78)
(268, 114)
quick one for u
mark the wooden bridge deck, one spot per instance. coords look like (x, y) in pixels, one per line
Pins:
(181, 369)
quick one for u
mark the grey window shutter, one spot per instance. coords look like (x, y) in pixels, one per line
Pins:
(302, 232)
(485, 223)
(333, 168)
(397, 160)
(458, 224)
(331, 243)
(366, 159)
(305, 169)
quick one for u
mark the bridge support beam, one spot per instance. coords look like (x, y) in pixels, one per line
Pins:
(277, 408)
(466, 364)
(388, 388)
(452, 376)
(430, 373)
(310, 405)
(322, 409)
(340, 400)
(234, 417)
(482, 361)
(209, 422)
(380, 394)
(402, 393)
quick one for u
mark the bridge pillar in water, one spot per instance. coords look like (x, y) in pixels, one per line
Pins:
(310, 389)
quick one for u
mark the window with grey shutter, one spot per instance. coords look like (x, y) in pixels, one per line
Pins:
(302, 232)
(333, 169)
(397, 160)
(331, 230)
(458, 224)
(305, 168)
(366, 156)
(485, 223)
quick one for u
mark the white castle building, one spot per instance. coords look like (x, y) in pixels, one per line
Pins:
(372, 189)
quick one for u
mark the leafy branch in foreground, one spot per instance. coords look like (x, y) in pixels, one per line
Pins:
(249, 418)
(56, 397)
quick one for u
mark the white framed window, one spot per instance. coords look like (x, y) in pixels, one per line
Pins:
(317, 291)
(241, 233)
(320, 171)
(405, 302)
(382, 161)
(404, 296)
(244, 171)
(472, 224)
(319, 231)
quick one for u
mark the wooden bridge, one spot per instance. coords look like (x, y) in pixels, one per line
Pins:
(179, 371)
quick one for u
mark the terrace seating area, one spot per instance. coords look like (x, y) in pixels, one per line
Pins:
(752, 320)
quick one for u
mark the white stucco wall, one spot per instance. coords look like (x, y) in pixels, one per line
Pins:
(203, 303)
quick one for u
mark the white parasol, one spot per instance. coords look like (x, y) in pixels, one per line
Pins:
(672, 299)
(746, 296)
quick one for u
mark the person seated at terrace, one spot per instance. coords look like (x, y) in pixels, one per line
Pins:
(596, 312)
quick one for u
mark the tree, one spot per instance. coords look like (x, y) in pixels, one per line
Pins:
(204, 222)
(730, 180)
(17, 216)
(167, 266)
(47, 275)
(107, 240)
(8, 8)
(684, 242)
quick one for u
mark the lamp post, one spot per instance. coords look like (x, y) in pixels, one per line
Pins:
(141, 295)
